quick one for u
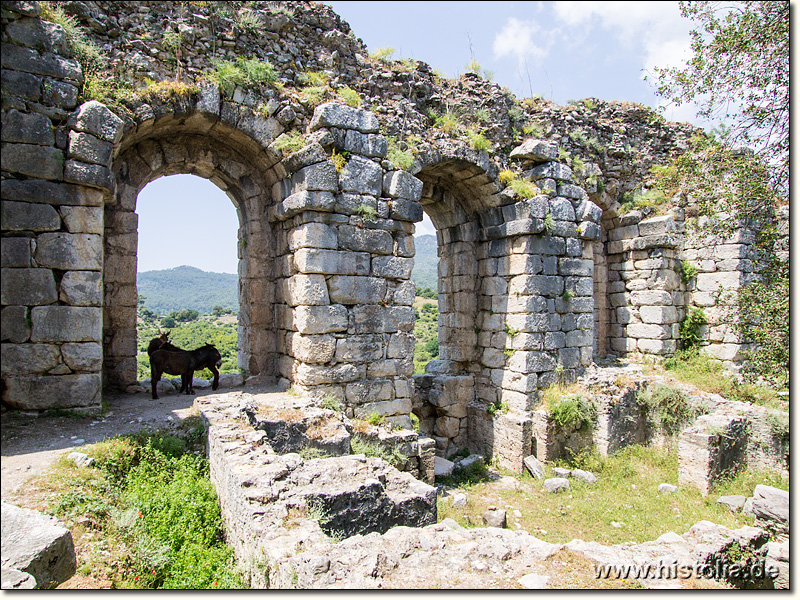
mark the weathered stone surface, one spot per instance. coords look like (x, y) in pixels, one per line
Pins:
(27, 128)
(15, 327)
(313, 348)
(344, 117)
(48, 192)
(44, 162)
(92, 175)
(30, 287)
(320, 177)
(29, 60)
(361, 176)
(27, 359)
(313, 235)
(70, 251)
(16, 252)
(536, 151)
(307, 290)
(66, 324)
(534, 467)
(320, 319)
(24, 216)
(38, 545)
(556, 484)
(494, 518)
(82, 288)
(332, 262)
(89, 149)
(400, 184)
(96, 119)
(350, 290)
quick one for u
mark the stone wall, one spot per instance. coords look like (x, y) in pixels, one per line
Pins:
(55, 179)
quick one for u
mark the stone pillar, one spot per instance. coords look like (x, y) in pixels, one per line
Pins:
(55, 174)
(714, 447)
(345, 242)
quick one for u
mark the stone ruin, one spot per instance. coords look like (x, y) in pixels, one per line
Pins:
(531, 289)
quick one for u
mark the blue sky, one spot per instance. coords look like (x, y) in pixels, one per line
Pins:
(558, 50)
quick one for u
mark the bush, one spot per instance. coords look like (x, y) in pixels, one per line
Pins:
(669, 406)
(573, 413)
(690, 329)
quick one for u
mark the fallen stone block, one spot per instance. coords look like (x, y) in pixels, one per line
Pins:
(556, 484)
(37, 545)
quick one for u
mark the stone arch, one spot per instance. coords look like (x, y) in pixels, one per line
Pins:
(196, 143)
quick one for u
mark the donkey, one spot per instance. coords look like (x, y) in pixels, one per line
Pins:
(161, 343)
(184, 363)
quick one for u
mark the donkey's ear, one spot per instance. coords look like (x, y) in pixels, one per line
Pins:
(160, 332)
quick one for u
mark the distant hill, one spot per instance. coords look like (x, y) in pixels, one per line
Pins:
(426, 262)
(188, 287)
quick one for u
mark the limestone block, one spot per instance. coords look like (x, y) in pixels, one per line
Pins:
(360, 348)
(533, 323)
(331, 262)
(82, 288)
(550, 170)
(70, 251)
(589, 231)
(361, 176)
(405, 293)
(538, 285)
(536, 151)
(401, 345)
(531, 362)
(56, 391)
(553, 340)
(82, 219)
(38, 545)
(43, 162)
(315, 349)
(406, 210)
(383, 319)
(323, 375)
(534, 467)
(725, 352)
(575, 266)
(349, 290)
(332, 114)
(304, 289)
(369, 390)
(24, 216)
(401, 406)
(651, 331)
(661, 315)
(321, 177)
(27, 128)
(89, 149)
(86, 357)
(359, 239)
(400, 184)
(372, 145)
(29, 359)
(657, 225)
(304, 200)
(320, 319)
(313, 235)
(711, 282)
(579, 338)
(95, 118)
(30, 287)
(561, 209)
(447, 427)
(16, 252)
(392, 267)
(14, 324)
(556, 484)
(569, 190)
(263, 130)
(650, 297)
(96, 176)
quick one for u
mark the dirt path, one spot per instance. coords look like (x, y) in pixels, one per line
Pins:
(31, 444)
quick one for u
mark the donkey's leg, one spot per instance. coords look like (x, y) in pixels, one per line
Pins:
(155, 375)
(215, 383)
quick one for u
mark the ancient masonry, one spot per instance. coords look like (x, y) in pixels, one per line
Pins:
(530, 290)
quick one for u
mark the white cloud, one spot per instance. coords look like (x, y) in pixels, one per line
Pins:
(522, 39)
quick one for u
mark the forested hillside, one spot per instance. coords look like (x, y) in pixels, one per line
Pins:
(187, 287)
(425, 273)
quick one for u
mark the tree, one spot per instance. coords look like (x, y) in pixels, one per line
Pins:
(739, 73)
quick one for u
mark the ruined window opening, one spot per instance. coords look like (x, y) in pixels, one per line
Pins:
(185, 222)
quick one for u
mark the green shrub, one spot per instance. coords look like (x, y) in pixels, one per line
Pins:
(244, 72)
(573, 412)
(687, 271)
(289, 142)
(349, 96)
(402, 159)
(549, 223)
(523, 188)
(479, 142)
(690, 329)
(669, 406)
(382, 54)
